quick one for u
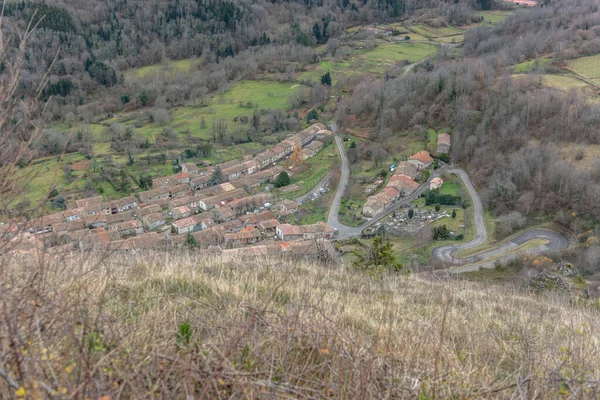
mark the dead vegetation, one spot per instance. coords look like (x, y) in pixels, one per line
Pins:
(180, 325)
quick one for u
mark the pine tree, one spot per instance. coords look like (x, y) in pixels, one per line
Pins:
(190, 241)
(317, 32)
(326, 79)
(217, 176)
(378, 258)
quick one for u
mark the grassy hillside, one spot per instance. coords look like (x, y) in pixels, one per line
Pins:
(181, 325)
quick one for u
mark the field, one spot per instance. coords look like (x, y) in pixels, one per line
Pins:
(493, 17)
(430, 32)
(241, 98)
(375, 61)
(166, 68)
(563, 82)
(588, 67)
(532, 65)
(394, 52)
(351, 67)
(45, 174)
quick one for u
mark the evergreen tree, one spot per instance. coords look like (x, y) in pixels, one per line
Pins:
(411, 213)
(317, 32)
(283, 179)
(326, 79)
(190, 241)
(313, 115)
(377, 258)
(123, 185)
(217, 176)
(453, 214)
(145, 182)
(130, 159)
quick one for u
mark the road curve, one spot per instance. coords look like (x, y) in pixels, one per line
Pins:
(487, 259)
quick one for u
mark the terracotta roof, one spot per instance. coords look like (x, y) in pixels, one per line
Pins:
(422, 156)
(133, 224)
(184, 223)
(183, 209)
(403, 182)
(406, 168)
(288, 229)
(94, 219)
(96, 200)
(154, 217)
(247, 233)
(443, 138)
(268, 224)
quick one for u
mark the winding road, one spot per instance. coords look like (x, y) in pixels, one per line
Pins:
(445, 253)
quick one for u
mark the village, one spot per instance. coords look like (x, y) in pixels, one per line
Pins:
(226, 208)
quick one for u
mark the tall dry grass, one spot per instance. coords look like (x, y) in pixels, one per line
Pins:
(283, 329)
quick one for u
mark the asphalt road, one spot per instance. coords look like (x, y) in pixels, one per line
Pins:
(445, 253)
(489, 258)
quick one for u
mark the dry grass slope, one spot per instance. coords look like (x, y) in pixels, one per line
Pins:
(283, 329)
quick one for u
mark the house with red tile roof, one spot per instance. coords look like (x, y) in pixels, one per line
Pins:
(245, 236)
(421, 160)
(404, 184)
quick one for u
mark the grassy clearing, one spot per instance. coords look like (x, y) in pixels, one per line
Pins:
(240, 99)
(562, 82)
(394, 52)
(314, 211)
(531, 65)
(165, 68)
(45, 174)
(588, 67)
(350, 211)
(493, 17)
(451, 39)
(308, 174)
(430, 32)
(431, 144)
(590, 154)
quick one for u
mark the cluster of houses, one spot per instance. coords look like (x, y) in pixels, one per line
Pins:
(401, 184)
(187, 203)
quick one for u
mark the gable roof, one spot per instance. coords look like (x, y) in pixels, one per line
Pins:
(443, 138)
(422, 156)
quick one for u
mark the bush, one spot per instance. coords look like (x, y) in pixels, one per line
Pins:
(161, 116)
(441, 233)
(434, 197)
(312, 115)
